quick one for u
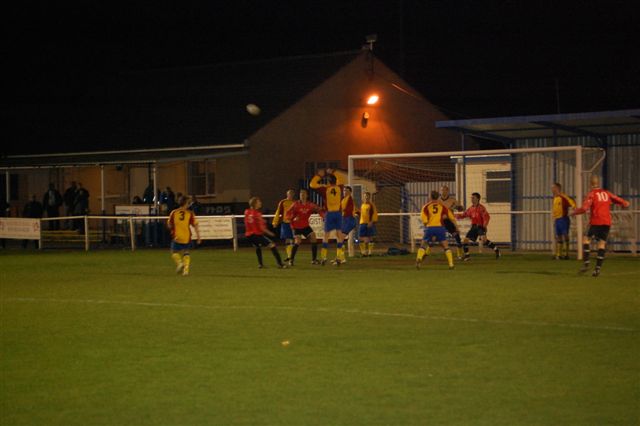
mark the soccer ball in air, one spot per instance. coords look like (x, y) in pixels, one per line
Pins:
(253, 109)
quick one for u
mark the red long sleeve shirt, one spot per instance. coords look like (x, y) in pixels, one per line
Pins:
(478, 214)
(598, 202)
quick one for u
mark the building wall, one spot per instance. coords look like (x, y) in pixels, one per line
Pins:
(326, 125)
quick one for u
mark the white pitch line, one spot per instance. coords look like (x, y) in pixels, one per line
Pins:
(329, 310)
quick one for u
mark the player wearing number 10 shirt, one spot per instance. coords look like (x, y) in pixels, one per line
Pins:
(598, 203)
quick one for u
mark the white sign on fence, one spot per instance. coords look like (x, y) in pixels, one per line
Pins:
(215, 228)
(317, 224)
(133, 210)
(19, 229)
(417, 228)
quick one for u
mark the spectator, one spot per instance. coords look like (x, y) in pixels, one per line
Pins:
(69, 199)
(52, 201)
(168, 198)
(34, 210)
(195, 206)
(137, 200)
(81, 203)
(4, 212)
(147, 197)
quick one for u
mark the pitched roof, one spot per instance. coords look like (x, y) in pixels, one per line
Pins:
(175, 107)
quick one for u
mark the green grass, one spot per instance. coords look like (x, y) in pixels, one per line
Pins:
(117, 338)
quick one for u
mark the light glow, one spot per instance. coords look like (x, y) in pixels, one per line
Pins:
(373, 99)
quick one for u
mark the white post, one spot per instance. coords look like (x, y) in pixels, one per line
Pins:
(132, 234)
(579, 190)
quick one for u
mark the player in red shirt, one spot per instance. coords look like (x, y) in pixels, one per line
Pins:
(479, 222)
(255, 230)
(598, 203)
(298, 214)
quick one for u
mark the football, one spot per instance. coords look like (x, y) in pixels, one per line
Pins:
(253, 109)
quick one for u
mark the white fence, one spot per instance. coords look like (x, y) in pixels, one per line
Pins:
(394, 229)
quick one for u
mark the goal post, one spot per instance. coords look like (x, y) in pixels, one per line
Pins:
(515, 185)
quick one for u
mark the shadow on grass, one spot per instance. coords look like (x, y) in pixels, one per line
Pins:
(532, 272)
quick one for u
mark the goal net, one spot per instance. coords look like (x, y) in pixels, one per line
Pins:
(515, 186)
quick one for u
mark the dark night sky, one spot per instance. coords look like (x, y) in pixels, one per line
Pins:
(471, 58)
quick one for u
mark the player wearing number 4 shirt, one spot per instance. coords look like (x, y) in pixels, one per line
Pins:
(332, 194)
(180, 222)
(598, 203)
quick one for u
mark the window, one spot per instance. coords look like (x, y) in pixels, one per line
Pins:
(498, 187)
(201, 177)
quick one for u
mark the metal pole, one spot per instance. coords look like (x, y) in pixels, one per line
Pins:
(156, 204)
(235, 234)
(8, 188)
(102, 189)
(579, 190)
(102, 210)
(86, 233)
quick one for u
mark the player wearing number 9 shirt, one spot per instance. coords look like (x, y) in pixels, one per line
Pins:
(180, 222)
(598, 203)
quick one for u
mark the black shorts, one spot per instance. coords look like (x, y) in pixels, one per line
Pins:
(475, 232)
(305, 232)
(259, 240)
(450, 226)
(599, 232)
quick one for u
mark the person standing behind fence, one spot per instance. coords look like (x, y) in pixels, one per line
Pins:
(69, 199)
(4, 212)
(33, 210)
(81, 203)
(52, 201)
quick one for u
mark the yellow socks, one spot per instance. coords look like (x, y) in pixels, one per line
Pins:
(363, 248)
(421, 253)
(340, 254)
(427, 250)
(177, 258)
(370, 248)
(289, 249)
(449, 256)
(323, 253)
(186, 259)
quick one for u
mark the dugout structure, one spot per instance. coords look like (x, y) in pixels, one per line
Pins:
(515, 185)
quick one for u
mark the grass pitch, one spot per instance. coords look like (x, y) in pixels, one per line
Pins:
(117, 338)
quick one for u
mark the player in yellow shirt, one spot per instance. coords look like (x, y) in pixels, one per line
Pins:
(560, 213)
(180, 222)
(281, 220)
(368, 219)
(433, 215)
(332, 194)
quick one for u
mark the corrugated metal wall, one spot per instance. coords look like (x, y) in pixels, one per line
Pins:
(535, 173)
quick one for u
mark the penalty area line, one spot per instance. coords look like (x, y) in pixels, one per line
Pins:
(325, 310)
